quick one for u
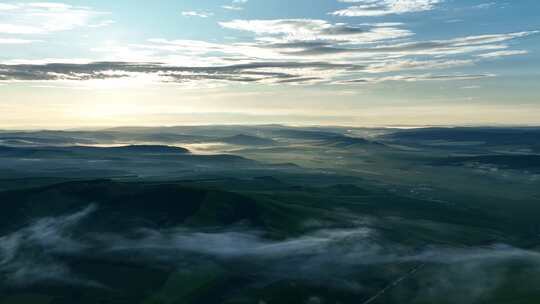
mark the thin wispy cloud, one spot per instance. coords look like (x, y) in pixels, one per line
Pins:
(286, 30)
(503, 53)
(232, 7)
(415, 78)
(15, 41)
(484, 5)
(236, 5)
(373, 8)
(45, 17)
(201, 14)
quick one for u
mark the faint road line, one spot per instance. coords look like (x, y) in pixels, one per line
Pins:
(395, 283)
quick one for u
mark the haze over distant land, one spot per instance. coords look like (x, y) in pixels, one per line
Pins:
(335, 62)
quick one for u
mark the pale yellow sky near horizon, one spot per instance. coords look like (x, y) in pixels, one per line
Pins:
(26, 106)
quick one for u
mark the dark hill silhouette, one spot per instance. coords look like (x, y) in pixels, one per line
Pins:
(148, 149)
(6, 151)
(129, 205)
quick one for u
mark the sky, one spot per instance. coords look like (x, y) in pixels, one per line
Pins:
(100, 63)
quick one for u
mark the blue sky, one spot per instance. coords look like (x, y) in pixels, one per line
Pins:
(353, 62)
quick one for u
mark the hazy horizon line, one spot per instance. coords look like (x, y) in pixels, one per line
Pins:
(386, 126)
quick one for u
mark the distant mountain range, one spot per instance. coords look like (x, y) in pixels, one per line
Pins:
(492, 136)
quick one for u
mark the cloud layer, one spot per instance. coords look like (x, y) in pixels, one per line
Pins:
(32, 255)
(295, 51)
(272, 51)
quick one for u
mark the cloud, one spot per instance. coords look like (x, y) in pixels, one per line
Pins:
(236, 5)
(232, 7)
(289, 30)
(503, 53)
(16, 41)
(310, 38)
(6, 7)
(414, 78)
(44, 17)
(385, 7)
(484, 5)
(435, 47)
(33, 254)
(408, 64)
(255, 72)
(27, 255)
(327, 256)
(276, 51)
(280, 51)
(102, 23)
(471, 87)
(201, 14)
